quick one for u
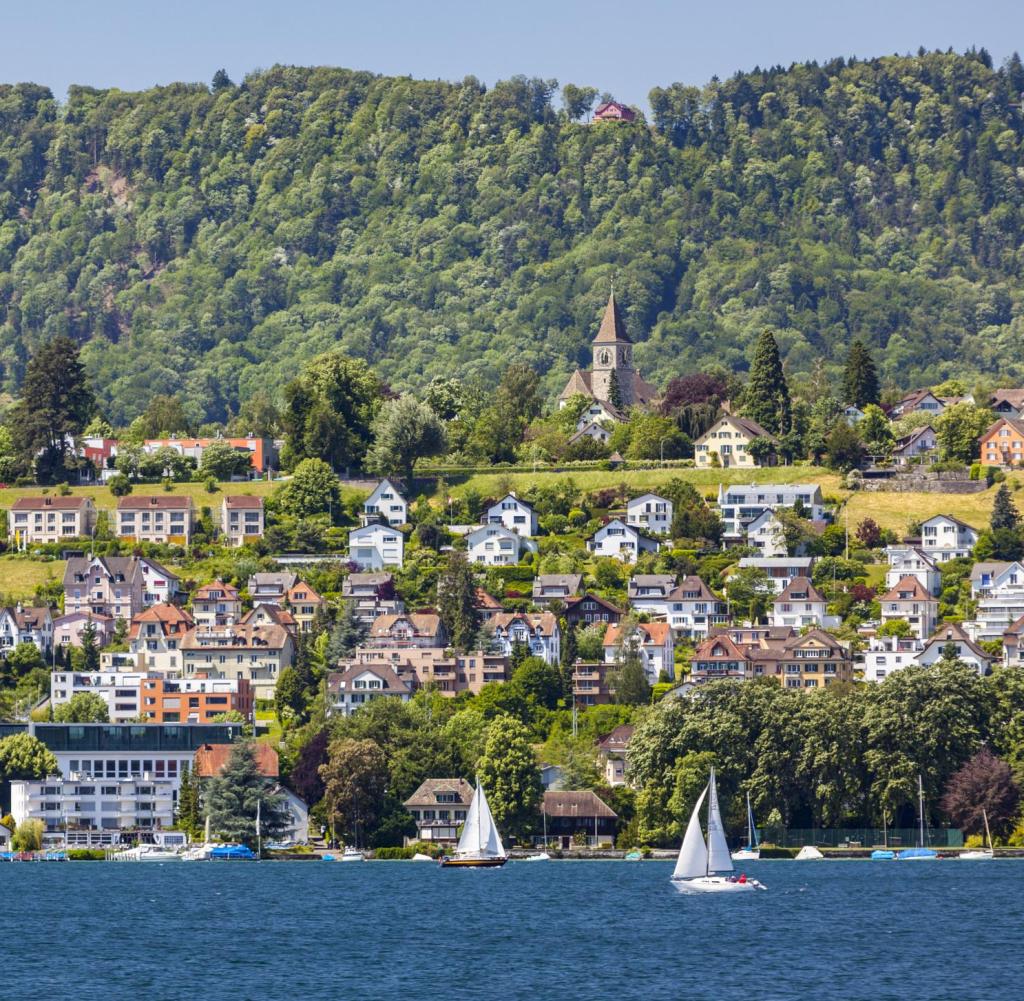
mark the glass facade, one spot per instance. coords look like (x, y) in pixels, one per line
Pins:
(132, 736)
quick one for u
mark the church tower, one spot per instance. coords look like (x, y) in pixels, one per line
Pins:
(613, 353)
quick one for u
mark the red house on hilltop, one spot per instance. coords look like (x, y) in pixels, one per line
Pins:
(612, 111)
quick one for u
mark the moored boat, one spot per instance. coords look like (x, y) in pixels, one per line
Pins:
(985, 854)
(921, 853)
(808, 854)
(751, 851)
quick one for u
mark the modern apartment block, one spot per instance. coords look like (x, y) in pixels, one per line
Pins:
(50, 519)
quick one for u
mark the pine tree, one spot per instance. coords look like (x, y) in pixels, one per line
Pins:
(347, 634)
(614, 390)
(456, 598)
(1004, 511)
(860, 379)
(90, 648)
(570, 651)
(766, 397)
(190, 818)
(232, 798)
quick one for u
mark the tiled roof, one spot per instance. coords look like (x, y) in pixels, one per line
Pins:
(800, 585)
(577, 803)
(230, 593)
(908, 589)
(244, 501)
(146, 502)
(426, 794)
(211, 759)
(544, 621)
(657, 633)
(54, 503)
(423, 623)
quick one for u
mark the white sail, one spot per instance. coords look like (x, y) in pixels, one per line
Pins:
(693, 853)
(480, 838)
(719, 859)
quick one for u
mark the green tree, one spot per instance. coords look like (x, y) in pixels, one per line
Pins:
(22, 756)
(957, 430)
(348, 632)
(766, 396)
(1004, 511)
(25, 657)
(750, 592)
(875, 430)
(29, 836)
(456, 596)
(165, 415)
(540, 681)
(89, 650)
(510, 776)
(190, 816)
(312, 489)
(404, 430)
(355, 780)
(223, 462)
(860, 377)
(233, 797)
(845, 449)
(82, 707)
(289, 696)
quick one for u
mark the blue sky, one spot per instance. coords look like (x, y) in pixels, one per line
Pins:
(624, 48)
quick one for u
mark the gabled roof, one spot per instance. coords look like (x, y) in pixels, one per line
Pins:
(994, 568)
(584, 432)
(656, 633)
(578, 384)
(665, 581)
(173, 621)
(690, 588)
(745, 424)
(612, 329)
(908, 589)
(126, 566)
(570, 581)
(205, 593)
(483, 600)
(577, 803)
(393, 684)
(510, 496)
(374, 528)
(544, 621)
(802, 586)
(950, 632)
(646, 497)
(730, 650)
(301, 591)
(423, 623)
(244, 501)
(576, 599)
(427, 793)
(29, 617)
(367, 579)
(1012, 422)
(211, 759)
(618, 739)
(952, 518)
(146, 502)
(907, 440)
(54, 503)
(272, 614)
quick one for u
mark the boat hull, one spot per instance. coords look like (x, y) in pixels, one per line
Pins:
(746, 855)
(472, 863)
(976, 856)
(716, 884)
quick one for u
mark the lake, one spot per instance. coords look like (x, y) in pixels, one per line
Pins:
(563, 930)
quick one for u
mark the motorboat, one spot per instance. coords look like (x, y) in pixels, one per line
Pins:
(539, 857)
(352, 854)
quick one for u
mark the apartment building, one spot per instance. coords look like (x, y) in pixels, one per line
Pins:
(304, 604)
(118, 689)
(253, 653)
(216, 604)
(166, 519)
(155, 636)
(50, 519)
(194, 699)
(242, 519)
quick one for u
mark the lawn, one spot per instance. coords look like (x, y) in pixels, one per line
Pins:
(896, 510)
(19, 576)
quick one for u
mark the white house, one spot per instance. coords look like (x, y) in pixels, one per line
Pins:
(622, 541)
(950, 634)
(802, 604)
(781, 570)
(599, 412)
(26, 624)
(727, 443)
(653, 641)
(767, 534)
(596, 432)
(496, 546)
(376, 546)
(361, 684)
(690, 609)
(119, 689)
(515, 514)
(946, 538)
(386, 503)
(886, 654)
(650, 513)
(908, 561)
(909, 601)
(538, 631)
(649, 585)
(739, 504)
(998, 590)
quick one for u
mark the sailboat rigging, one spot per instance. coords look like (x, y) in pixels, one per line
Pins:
(921, 853)
(480, 844)
(985, 854)
(751, 851)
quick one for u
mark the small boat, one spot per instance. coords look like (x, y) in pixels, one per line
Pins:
(480, 844)
(146, 853)
(634, 856)
(539, 857)
(231, 853)
(883, 854)
(420, 857)
(751, 851)
(921, 853)
(980, 854)
(704, 866)
(807, 854)
(351, 854)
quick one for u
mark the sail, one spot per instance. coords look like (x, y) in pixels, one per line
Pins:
(753, 835)
(719, 859)
(469, 841)
(491, 842)
(480, 838)
(693, 854)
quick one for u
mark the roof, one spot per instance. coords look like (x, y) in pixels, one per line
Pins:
(301, 591)
(56, 503)
(570, 581)
(393, 684)
(145, 502)
(952, 518)
(426, 794)
(584, 432)
(577, 599)
(578, 384)
(367, 579)
(618, 739)
(1015, 397)
(907, 440)
(907, 584)
(203, 593)
(800, 585)
(657, 633)
(648, 496)
(950, 632)
(171, 619)
(484, 600)
(126, 566)
(423, 623)
(576, 803)
(244, 501)
(991, 567)
(912, 400)
(281, 579)
(730, 649)
(613, 109)
(612, 329)
(1017, 426)
(745, 424)
(544, 621)
(689, 586)
(30, 616)
(211, 759)
(776, 561)
(240, 636)
(666, 581)
(272, 613)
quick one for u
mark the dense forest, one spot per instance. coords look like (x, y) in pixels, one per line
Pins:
(208, 240)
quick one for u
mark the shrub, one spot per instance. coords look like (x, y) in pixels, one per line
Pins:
(86, 855)
(391, 854)
(119, 485)
(767, 852)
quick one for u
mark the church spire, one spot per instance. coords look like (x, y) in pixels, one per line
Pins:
(612, 328)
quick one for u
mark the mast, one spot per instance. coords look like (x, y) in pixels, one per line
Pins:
(259, 836)
(988, 833)
(920, 811)
(750, 824)
(479, 829)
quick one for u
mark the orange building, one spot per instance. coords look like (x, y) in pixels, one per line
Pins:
(1003, 443)
(194, 700)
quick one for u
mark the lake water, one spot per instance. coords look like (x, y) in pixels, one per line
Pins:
(561, 930)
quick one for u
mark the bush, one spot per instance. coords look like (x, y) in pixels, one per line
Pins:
(391, 854)
(86, 855)
(119, 485)
(210, 485)
(767, 852)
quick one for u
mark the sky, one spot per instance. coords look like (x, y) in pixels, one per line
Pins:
(624, 48)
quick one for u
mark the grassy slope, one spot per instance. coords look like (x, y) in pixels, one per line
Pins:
(19, 576)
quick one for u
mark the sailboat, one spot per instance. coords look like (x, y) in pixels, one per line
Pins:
(480, 845)
(751, 851)
(702, 866)
(980, 854)
(920, 853)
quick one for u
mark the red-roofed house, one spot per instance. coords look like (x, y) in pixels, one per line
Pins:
(653, 641)
(909, 601)
(50, 519)
(153, 518)
(216, 604)
(211, 758)
(241, 519)
(155, 635)
(717, 658)
(612, 111)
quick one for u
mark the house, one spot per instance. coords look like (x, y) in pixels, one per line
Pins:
(576, 817)
(815, 659)
(914, 447)
(155, 637)
(651, 640)
(1002, 444)
(997, 589)
(373, 594)
(599, 412)
(242, 520)
(304, 604)
(740, 504)
(262, 451)
(593, 431)
(552, 777)
(159, 585)
(689, 608)
(781, 570)
(951, 635)
(719, 658)
(495, 546)
(727, 444)
(613, 751)
(1013, 645)
(585, 609)
(1007, 403)
(439, 807)
(216, 604)
(68, 629)
(194, 700)
(852, 415)
(386, 504)
(26, 624)
(620, 541)
(591, 683)
(258, 654)
(350, 690)
(407, 629)
(944, 537)
(111, 586)
(374, 547)
(101, 455)
(909, 601)
(165, 519)
(270, 615)
(515, 514)
(801, 605)
(886, 654)
(767, 534)
(50, 519)
(548, 587)
(650, 513)
(442, 670)
(612, 380)
(537, 631)
(270, 588)
(908, 561)
(649, 585)
(485, 605)
(612, 111)
(923, 400)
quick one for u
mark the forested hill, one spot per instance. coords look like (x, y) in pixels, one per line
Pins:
(206, 241)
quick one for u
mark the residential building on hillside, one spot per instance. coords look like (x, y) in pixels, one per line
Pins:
(1002, 444)
(166, 519)
(621, 541)
(650, 513)
(242, 520)
(34, 520)
(439, 807)
(256, 654)
(612, 111)
(649, 585)
(348, 691)
(585, 609)
(548, 587)
(950, 635)
(593, 431)
(690, 608)
(886, 654)
(917, 447)
(740, 504)
(118, 689)
(435, 667)
(159, 585)
(719, 658)
(781, 570)
(514, 514)
(613, 753)
(727, 444)
(110, 586)
(924, 401)
(407, 629)
(1013, 644)
(155, 635)
(944, 537)
(271, 615)
(270, 588)
(538, 631)
(68, 629)
(373, 594)
(599, 412)
(216, 604)
(651, 640)
(495, 546)
(765, 533)
(591, 683)
(386, 504)
(26, 624)
(1007, 403)
(908, 561)
(304, 604)
(374, 547)
(814, 660)
(571, 816)
(262, 451)
(194, 700)
(801, 605)
(997, 588)
(909, 601)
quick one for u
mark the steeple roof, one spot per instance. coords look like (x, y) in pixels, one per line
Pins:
(612, 328)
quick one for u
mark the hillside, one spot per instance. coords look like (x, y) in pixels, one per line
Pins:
(206, 242)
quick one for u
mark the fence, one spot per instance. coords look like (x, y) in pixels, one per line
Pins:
(865, 837)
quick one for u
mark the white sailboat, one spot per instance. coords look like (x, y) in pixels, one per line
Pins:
(751, 851)
(480, 845)
(985, 854)
(703, 866)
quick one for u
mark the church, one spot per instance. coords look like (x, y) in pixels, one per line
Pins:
(612, 381)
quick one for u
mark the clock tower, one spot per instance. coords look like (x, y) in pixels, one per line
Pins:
(613, 352)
